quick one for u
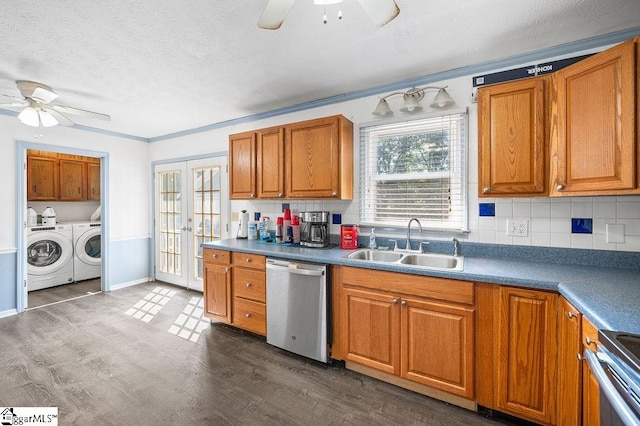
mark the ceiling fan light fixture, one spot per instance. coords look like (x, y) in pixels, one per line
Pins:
(326, 2)
(442, 100)
(29, 116)
(47, 119)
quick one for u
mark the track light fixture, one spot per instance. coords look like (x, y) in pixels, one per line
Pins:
(412, 100)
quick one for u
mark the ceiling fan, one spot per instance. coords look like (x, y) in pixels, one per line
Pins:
(381, 12)
(37, 109)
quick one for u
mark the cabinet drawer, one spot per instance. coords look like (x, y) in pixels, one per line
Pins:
(249, 284)
(247, 260)
(250, 315)
(589, 334)
(216, 256)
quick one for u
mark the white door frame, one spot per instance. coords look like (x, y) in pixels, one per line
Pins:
(226, 213)
(21, 208)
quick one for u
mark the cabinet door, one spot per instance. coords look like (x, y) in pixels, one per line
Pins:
(569, 366)
(93, 181)
(437, 345)
(270, 163)
(372, 322)
(512, 138)
(312, 159)
(42, 179)
(217, 292)
(596, 140)
(242, 166)
(527, 352)
(590, 385)
(73, 180)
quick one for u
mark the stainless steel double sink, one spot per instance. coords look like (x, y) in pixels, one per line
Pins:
(421, 260)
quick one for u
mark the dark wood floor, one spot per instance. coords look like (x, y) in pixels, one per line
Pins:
(62, 292)
(140, 355)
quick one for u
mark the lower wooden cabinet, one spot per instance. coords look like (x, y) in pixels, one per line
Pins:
(234, 289)
(525, 377)
(569, 393)
(418, 328)
(590, 386)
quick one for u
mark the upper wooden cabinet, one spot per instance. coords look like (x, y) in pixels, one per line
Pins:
(319, 159)
(513, 138)
(54, 176)
(306, 160)
(242, 165)
(570, 133)
(595, 149)
(42, 178)
(270, 163)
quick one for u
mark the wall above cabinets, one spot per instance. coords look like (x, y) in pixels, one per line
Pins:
(306, 160)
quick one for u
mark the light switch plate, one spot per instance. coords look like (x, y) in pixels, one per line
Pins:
(615, 233)
(517, 227)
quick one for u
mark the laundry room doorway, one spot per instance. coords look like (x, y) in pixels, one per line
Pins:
(191, 207)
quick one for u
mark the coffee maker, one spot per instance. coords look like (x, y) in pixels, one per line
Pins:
(314, 229)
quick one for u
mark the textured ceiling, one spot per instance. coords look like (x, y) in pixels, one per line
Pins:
(159, 67)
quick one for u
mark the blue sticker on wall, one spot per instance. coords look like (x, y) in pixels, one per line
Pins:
(487, 209)
(336, 218)
(581, 226)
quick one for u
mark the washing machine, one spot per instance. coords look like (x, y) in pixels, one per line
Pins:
(49, 256)
(87, 247)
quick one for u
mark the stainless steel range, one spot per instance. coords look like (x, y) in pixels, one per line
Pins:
(616, 366)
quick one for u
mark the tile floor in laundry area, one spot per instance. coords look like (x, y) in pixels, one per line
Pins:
(145, 355)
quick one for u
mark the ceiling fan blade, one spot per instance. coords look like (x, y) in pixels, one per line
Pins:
(77, 111)
(274, 14)
(14, 105)
(381, 12)
(62, 120)
(43, 96)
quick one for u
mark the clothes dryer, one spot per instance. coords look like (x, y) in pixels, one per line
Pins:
(49, 256)
(87, 248)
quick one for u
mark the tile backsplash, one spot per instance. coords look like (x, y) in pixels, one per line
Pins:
(551, 222)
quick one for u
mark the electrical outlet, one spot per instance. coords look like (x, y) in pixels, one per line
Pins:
(518, 227)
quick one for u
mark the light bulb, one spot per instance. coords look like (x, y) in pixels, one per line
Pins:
(340, 13)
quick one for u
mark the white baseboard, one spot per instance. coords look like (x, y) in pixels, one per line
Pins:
(130, 283)
(8, 313)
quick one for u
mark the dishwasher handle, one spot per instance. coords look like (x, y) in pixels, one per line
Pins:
(292, 268)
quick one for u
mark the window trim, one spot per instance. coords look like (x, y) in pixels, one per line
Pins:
(464, 225)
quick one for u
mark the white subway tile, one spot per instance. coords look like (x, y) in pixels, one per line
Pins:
(604, 210)
(504, 208)
(561, 210)
(503, 238)
(488, 237)
(631, 226)
(581, 210)
(487, 223)
(628, 210)
(631, 243)
(542, 239)
(541, 209)
(560, 240)
(522, 210)
(600, 243)
(540, 225)
(581, 241)
(561, 225)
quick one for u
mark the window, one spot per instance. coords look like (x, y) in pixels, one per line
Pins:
(417, 169)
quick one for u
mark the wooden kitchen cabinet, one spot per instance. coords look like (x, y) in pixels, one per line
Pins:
(415, 327)
(42, 178)
(249, 292)
(590, 386)
(217, 284)
(93, 180)
(513, 136)
(569, 392)
(242, 166)
(526, 335)
(594, 147)
(73, 180)
(319, 158)
(270, 163)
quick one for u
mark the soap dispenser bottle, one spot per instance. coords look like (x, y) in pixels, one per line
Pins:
(372, 239)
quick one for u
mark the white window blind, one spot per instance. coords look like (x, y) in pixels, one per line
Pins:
(415, 168)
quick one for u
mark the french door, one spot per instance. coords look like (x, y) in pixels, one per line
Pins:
(191, 207)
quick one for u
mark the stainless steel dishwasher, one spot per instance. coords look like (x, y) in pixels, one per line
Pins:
(297, 307)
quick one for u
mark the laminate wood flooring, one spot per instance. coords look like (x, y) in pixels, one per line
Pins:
(62, 292)
(141, 356)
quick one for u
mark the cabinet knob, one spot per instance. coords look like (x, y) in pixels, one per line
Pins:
(279, 194)
(560, 187)
(571, 315)
(394, 301)
(253, 195)
(247, 315)
(404, 303)
(333, 194)
(248, 285)
(579, 356)
(588, 340)
(214, 255)
(226, 269)
(486, 191)
(247, 260)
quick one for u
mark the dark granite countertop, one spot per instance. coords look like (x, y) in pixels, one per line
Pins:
(608, 296)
